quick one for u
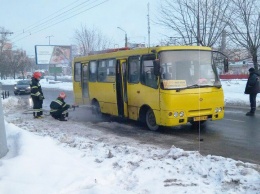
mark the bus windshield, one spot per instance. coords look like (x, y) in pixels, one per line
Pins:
(188, 69)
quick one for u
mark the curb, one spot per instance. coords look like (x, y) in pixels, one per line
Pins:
(239, 106)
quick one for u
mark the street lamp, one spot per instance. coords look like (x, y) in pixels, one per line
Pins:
(125, 35)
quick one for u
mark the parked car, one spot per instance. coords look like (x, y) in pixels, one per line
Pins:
(22, 87)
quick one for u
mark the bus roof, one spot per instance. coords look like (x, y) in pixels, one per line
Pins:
(123, 53)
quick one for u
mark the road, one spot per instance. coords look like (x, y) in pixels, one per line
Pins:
(236, 136)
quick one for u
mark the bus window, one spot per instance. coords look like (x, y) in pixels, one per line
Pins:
(111, 70)
(102, 71)
(77, 72)
(190, 67)
(148, 77)
(93, 71)
(106, 70)
(111, 67)
(134, 69)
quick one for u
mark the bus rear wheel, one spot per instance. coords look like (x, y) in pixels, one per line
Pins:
(150, 120)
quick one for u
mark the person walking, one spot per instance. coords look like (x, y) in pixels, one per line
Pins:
(252, 88)
(59, 108)
(37, 95)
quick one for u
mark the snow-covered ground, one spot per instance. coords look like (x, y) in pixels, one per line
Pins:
(50, 157)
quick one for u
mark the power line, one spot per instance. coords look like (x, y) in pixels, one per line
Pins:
(29, 27)
(46, 20)
(50, 25)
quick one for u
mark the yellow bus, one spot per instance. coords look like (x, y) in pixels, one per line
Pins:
(160, 86)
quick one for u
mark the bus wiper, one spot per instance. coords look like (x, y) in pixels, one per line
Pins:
(198, 86)
(188, 87)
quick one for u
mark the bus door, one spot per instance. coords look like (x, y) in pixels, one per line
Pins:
(121, 93)
(84, 84)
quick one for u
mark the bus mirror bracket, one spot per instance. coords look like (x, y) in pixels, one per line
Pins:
(226, 65)
(156, 67)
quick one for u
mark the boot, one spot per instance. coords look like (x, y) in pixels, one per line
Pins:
(63, 119)
(250, 113)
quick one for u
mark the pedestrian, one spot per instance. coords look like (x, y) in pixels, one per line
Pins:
(37, 95)
(59, 108)
(252, 88)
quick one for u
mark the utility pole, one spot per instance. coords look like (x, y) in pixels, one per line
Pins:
(148, 20)
(3, 141)
(125, 35)
(49, 38)
(5, 33)
(54, 65)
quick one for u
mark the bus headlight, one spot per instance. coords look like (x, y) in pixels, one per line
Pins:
(181, 114)
(175, 114)
(218, 109)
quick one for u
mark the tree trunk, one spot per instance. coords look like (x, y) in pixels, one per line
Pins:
(255, 61)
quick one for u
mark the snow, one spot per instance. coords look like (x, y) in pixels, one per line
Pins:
(46, 156)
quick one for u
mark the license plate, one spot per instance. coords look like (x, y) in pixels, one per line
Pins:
(22, 90)
(201, 118)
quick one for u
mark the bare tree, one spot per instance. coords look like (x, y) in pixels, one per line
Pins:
(244, 26)
(16, 61)
(24, 63)
(4, 65)
(3, 47)
(199, 21)
(89, 40)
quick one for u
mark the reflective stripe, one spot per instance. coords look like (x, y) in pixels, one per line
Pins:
(65, 111)
(37, 110)
(59, 102)
(53, 110)
(38, 94)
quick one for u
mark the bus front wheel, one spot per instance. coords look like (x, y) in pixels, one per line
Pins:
(151, 121)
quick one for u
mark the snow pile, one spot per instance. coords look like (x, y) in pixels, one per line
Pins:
(47, 156)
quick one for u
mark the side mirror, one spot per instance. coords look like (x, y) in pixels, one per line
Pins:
(226, 65)
(156, 67)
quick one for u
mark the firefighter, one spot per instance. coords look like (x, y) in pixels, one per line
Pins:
(37, 95)
(59, 108)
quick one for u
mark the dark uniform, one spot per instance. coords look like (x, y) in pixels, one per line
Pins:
(37, 97)
(59, 109)
(252, 88)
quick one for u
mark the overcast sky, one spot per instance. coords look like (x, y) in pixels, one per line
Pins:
(32, 22)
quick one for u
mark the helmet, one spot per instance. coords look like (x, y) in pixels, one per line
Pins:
(251, 69)
(37, 75)
(62, 95)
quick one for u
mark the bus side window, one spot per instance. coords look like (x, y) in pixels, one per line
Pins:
(102, 71)
(111, 70)
(134, 69)
(148, 77)
(77, 72)
(93, 71)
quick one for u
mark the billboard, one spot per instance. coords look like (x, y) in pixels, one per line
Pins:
(52, 54)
